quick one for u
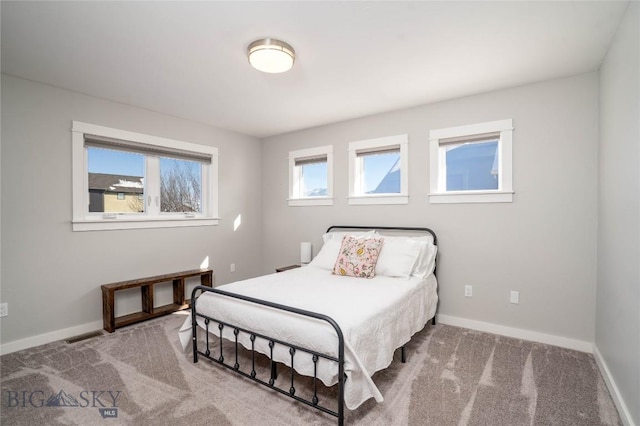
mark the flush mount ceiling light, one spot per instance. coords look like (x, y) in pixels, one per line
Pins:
(271, 55)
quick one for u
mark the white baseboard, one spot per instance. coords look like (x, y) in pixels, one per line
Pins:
(41, 339)
(625, 415)
(550, 339)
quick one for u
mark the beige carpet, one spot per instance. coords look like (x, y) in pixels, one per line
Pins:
(453, 376)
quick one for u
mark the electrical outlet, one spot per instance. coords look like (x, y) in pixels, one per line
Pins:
(468, 291)
(232, 267)
(514, 297)
(4, 309)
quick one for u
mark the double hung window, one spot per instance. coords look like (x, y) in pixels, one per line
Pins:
(124, 180)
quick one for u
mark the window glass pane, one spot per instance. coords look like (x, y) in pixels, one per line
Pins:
(116, 181)
(472, 166)
(314, 179)
(180, 185)
(381, 172)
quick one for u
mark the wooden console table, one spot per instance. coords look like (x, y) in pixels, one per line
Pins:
(109, 320)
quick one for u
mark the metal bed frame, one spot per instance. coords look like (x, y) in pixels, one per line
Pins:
(293, 349)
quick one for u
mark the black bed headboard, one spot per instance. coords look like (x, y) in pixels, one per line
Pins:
(387, 228)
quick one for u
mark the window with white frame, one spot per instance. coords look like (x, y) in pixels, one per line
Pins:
(311, 176)
(378, 171)
(127, 180)
(472, 163)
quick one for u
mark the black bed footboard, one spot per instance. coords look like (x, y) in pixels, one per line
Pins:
(233, 364)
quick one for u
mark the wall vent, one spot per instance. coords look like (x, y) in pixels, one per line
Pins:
(84, 336)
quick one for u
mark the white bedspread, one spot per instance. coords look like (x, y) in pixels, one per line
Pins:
(376, 317)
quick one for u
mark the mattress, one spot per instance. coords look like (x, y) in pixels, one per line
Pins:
(376, 317)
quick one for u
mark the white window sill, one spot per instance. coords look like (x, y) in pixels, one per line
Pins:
(359, 200)
(100, 224)
(316, 201)
(458, 197)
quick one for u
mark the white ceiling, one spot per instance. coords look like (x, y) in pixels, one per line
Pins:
(188, 59)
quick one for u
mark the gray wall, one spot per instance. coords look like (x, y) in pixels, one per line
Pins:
(51, 276)
(618, 286)
(543, 244)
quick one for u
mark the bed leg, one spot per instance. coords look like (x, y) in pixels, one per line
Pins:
(341, 395)
(433, 320)
(403, 355)
(194, 336)
(195, 343)
(194, 325)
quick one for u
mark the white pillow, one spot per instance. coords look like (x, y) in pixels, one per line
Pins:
(426, 261)
(398, 257)
(326, 257)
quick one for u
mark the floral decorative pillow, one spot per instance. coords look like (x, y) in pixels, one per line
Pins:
(358, 257)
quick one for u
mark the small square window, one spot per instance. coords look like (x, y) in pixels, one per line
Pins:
(378, 171)
(472, 164)
(120, 195)
(311, 176)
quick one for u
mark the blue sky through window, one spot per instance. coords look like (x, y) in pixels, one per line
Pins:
(472, 166)
(115, 162)
(376, 167)
(314, 176)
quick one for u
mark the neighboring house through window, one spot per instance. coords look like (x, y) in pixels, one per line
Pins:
(124, 180)
(110, 193)
(311, 176)
(472, 164)
(378, 171)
